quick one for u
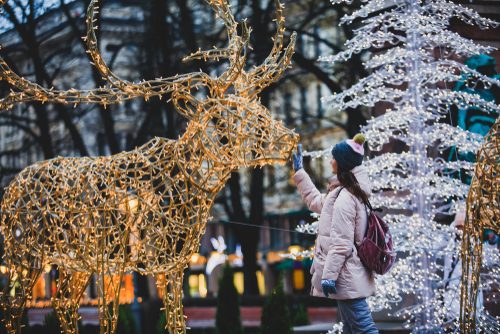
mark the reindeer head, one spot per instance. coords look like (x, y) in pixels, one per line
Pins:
(248, 136)
(239, 131)
(237, 128)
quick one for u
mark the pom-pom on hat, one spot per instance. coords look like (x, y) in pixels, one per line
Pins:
(349, 153)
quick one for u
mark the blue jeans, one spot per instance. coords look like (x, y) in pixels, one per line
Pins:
(356, 316)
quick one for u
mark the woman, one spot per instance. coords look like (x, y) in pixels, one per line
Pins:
(337, 271)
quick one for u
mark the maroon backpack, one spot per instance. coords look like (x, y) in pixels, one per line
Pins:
(376, 251)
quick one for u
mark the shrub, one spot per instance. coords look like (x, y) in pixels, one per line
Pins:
(126, 321)
(228, 319)
(161, 324)
(51, 323)
(300, 317)
(275, 314)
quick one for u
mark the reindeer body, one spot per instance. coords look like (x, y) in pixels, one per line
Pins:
(133, 211)
(74, 205)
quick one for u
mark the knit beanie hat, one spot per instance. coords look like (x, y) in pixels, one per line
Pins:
(349, 153)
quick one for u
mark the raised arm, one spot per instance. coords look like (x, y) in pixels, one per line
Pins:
(310, 194)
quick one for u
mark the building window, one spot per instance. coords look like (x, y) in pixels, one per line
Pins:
(130, 141)
(129, 108)
(261, 283)
(239, 282)
(320, 104)
(271, 176)
(29, 66)
(10, 132)
(300, 43)
(303, 104)
(288, 108)
(197, 285)
(39, 289)
(317, 50)
(101, 144)
(125, 286)
(298, 278)
(276, 235)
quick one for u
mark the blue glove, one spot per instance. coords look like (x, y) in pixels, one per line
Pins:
(328, 286)
(297, 158)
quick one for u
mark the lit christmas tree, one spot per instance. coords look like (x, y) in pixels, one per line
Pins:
(412, 68)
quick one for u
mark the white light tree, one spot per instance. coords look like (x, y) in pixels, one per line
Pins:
(413, 63)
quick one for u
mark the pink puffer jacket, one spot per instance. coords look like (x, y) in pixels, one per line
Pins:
(343, 219)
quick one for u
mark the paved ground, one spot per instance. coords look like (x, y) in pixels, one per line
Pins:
(197, 317)
(384, 327)
(202, 319)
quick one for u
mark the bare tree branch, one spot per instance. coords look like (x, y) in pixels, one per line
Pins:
(310, 66)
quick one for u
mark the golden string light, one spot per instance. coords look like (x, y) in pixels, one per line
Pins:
(483, 211)
(144, 210)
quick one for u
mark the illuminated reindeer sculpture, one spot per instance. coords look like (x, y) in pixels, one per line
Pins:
(144, 210)
(483, 211)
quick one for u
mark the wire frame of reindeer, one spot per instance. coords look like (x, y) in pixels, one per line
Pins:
(483, 211)
(144, 210)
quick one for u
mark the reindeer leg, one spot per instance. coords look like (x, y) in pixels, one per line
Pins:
(108, 290)
(70, 289)
(171, 284)
(21, 281)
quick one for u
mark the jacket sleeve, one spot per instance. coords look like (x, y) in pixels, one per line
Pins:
(341, 236)
(310, 194)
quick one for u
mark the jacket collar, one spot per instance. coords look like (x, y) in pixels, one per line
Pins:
(333, 183)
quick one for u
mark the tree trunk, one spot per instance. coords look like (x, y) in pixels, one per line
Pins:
(247, 236)
(252, 237)
(355, 118)
(41, 75)
(158, 55)
(75, 135)
(105, 114)
(45, 139)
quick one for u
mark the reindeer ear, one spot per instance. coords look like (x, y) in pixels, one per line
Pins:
(186, 104)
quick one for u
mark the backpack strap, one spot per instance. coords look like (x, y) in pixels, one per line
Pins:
(369, 205)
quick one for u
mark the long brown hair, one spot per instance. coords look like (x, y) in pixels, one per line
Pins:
(349, 181)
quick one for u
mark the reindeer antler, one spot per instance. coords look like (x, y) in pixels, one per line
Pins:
(260, 76)
(256, 79)
(277, 61)
(155, 87)
(236, 45)
(223, 11)
(235, 52)
(123, 89)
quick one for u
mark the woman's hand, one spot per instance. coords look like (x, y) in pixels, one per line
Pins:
(297, 158)
(328, 286)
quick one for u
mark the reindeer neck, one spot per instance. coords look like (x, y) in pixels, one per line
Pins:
(201, 161)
